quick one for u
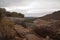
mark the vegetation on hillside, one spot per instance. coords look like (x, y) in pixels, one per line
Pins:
(14, 14)
(3, 12)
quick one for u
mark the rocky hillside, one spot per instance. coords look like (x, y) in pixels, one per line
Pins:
(55, 15)
(14, 26)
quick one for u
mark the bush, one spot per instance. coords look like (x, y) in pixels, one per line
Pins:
(3, 12)
(14, 14)
(6, 29)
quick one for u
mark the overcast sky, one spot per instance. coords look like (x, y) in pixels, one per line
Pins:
(32, 8)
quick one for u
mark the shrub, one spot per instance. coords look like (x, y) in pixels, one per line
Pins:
(6, 29)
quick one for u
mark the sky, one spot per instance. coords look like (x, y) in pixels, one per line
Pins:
(31, 8)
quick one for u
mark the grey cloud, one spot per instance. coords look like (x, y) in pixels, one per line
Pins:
(50, 0)
(31, 6)
(5, 3)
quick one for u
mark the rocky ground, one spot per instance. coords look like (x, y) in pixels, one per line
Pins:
(20, 28)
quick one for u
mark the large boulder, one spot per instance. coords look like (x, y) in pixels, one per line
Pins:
(19, 21)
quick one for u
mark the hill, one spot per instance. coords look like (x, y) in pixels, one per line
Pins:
(55, 15)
